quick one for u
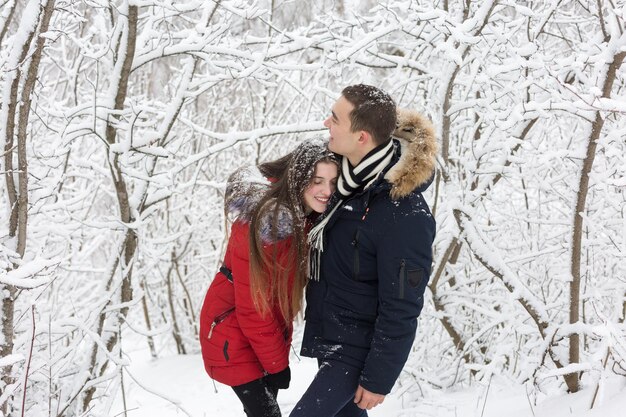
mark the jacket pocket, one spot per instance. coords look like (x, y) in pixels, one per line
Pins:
(218, 319)
(410, 280)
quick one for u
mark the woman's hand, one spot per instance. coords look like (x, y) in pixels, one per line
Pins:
(279, 380)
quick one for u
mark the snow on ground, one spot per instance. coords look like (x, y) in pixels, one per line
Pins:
(189, 391)
(182, 380)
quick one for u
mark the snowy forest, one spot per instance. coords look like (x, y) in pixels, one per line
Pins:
(120, 121)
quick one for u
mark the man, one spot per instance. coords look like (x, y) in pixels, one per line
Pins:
(370, 255)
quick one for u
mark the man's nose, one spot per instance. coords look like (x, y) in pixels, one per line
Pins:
(327, 122)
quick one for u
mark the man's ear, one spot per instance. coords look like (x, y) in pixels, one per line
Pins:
(365, 137)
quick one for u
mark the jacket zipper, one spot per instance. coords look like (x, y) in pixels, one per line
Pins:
(402, 277)
(218, 319)
(356, 267)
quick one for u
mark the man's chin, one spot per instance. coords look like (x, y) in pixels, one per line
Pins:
(331, 144)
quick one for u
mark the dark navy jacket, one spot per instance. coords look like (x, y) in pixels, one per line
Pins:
(374, 270)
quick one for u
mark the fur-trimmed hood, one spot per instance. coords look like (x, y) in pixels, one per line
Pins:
(416, 166)
(244, 190)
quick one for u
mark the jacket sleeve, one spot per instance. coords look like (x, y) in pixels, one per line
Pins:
(404, 257)
(265, 334)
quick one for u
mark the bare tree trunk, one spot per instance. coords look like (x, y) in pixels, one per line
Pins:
(24, 114)
(18, 197)
(447, 120)
(6, 348)
(167, 125)
(340, 7)
(4, 25)
(187, 301)
(129, 245)
(180, 347)
(572, 379)
(457, 338)
(146, 316)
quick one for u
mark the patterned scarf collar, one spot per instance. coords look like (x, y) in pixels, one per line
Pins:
(351, 179)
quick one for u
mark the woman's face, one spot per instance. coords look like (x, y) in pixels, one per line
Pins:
(321, 186)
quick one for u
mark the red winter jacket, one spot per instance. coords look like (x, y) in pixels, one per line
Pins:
(238, 344)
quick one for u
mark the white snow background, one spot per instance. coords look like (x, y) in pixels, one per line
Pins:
(111, 236)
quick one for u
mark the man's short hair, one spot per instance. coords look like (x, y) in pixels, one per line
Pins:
(374, 111)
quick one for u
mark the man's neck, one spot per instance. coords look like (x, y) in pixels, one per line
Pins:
(354, 161)
(356, 158)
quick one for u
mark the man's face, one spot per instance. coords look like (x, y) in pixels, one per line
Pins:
(342, 140)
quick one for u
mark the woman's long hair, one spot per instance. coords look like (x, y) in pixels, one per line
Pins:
(269, 275)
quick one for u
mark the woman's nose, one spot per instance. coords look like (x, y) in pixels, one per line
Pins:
(327, 122)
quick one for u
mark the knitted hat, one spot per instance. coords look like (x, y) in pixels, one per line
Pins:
(302, 166)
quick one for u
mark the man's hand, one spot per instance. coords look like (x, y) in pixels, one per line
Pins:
(367, 400)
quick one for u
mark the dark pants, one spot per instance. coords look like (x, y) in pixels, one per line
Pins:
(258, 398)
(331, 394)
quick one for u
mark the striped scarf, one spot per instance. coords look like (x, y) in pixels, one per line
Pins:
(351, 179)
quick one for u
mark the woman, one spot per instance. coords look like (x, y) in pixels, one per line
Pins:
(245, 322)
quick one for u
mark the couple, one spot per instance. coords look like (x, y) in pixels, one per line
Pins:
(363, 251)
